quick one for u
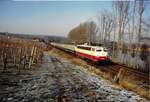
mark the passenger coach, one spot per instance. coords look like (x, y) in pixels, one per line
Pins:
(94, 53)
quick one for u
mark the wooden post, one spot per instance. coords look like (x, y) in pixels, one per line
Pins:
(24, 61)
(5, 61)
(14, 57)
(31, 57)
(119, 76)
(34, 54)
(20, 59)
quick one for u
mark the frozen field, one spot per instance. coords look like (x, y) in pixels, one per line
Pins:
(58, 80)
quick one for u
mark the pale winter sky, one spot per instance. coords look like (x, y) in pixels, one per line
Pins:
(47, 17)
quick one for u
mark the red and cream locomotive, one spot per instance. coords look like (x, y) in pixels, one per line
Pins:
(94, 53)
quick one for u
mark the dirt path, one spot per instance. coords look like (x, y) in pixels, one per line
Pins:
(57, 80)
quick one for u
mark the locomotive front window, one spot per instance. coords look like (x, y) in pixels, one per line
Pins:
(98, 50)
(105, 50)
(84, 48)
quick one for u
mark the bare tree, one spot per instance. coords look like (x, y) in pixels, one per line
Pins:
(100, 27)
(92, 32)
(106, 24)
(140, 12)
(122, 10)
(141, 8)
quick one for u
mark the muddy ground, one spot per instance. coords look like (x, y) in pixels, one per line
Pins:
(58, 80)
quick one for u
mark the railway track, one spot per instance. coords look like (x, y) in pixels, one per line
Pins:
(112, 67)
(116, 68)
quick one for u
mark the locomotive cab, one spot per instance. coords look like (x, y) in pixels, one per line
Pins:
(102, 53)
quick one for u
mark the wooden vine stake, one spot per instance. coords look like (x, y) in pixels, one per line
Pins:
(20, 59)
(5, 61)
(31, 57)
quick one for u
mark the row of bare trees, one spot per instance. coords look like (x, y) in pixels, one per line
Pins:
(20, 53)
(121, 30)
(124, 27)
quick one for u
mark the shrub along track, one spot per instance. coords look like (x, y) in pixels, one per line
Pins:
(121, 75)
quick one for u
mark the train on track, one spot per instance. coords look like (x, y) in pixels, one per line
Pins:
(94, 53)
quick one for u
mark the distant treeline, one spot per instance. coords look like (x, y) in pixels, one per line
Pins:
(43, 38)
